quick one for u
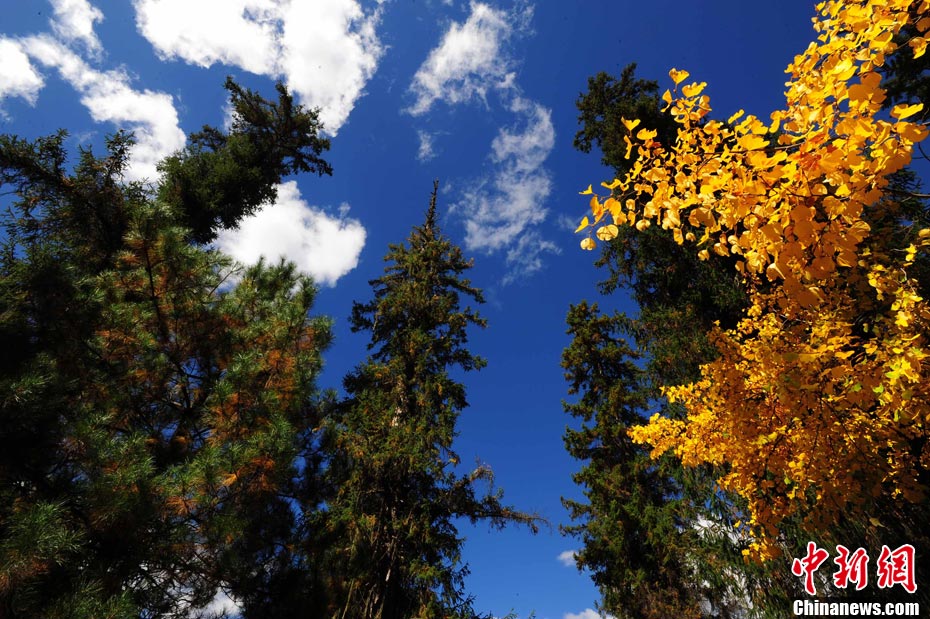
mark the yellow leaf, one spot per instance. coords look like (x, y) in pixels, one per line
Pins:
(597, 209)
(613, 207)
(608, 232)
(867, 88)
(776, 121)
(646, 134)
(773, 272)
(911, 131)
(844, 69)
(752, 142)
(919, 45)
(629, 124)
(588, 244)
(590, 189)
(678, 76)
(584, 224)
(694, 89)
(903, 110)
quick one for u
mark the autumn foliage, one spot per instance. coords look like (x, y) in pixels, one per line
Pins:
(818, 400)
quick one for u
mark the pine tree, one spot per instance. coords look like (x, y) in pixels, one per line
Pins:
(151, 414)
(398, 492)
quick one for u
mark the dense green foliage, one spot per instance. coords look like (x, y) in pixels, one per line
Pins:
(151, 413)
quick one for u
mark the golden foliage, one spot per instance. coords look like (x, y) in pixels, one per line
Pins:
(819, 398)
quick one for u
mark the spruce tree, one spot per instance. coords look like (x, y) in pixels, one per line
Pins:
(635, 523)
(394, 468)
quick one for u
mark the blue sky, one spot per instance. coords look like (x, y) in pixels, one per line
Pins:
(481, 96)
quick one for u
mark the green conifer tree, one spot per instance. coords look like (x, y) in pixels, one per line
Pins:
(151, 413)
(398, 492)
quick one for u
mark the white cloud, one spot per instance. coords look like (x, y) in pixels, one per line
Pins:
(470, 60)
(330, 51)
(18, 78)
(74, 20)
(526, 151)
(504, 211)
(587, 613)
(109, 97)
(322, 246)
(326, 51)
(567, 558)
(234, 32)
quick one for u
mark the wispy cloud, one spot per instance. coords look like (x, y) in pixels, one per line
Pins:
(326, 51)
(109, 97)
(470, 60)
(321, 245)
(567, 558)
(426, 150)
(504, 211)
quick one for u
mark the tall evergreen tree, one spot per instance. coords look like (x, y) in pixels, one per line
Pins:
(634, 531)
(149, 417)
(398, 492)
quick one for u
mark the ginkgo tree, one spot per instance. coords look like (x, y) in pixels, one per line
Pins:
(818, 400)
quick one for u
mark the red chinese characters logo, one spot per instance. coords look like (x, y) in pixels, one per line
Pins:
(853, 568)
(808, 566)
(896, 567)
